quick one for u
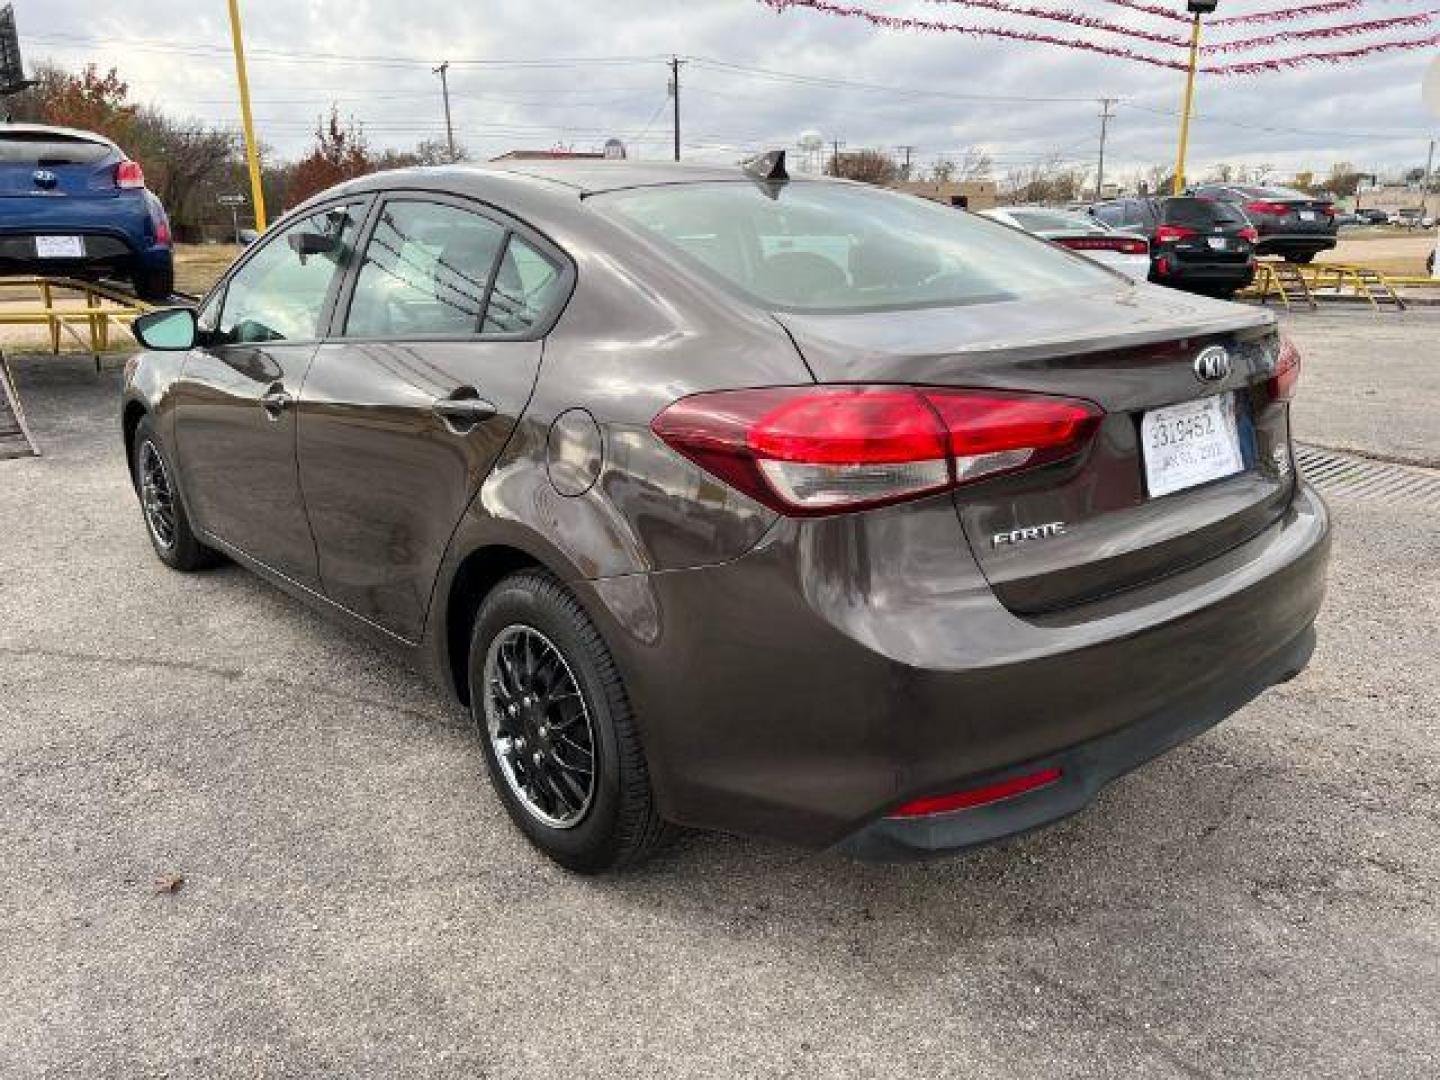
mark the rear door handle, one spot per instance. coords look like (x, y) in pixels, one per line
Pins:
(275, 401)
(463, 413)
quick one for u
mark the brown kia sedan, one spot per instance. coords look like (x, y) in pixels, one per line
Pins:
(782, 506)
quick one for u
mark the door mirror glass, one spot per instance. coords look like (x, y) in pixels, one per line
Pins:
(170, 330)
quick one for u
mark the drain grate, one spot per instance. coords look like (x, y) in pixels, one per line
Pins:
(1345, 476)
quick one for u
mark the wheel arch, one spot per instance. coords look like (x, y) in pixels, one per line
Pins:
(476, 575)
(130, 418)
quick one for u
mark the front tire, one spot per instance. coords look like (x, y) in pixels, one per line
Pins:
(1304, 258)
(166, 522)
(557, 730)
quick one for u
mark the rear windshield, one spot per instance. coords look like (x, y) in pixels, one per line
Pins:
(1202, 212)
(833, 247)
(46, 148)
(1055, 221)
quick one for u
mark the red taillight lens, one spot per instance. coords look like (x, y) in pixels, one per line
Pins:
(813, 450)
(1124, 244)
(128, 174)
(1274, 209)
(1250, 233)
(1167, 234)
(981, 796)
(1281, 386)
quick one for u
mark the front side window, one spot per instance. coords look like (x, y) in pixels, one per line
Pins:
(818, 246)
(280, 292)
(426, 271)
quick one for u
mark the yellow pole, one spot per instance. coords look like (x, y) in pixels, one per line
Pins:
(1179, 188)
(252, 151)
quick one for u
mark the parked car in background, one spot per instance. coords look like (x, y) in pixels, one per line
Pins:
(72, 204)
(1128, 253)
(1375, 216)
(1199, 245)
(1412, 217)
(1291, 224)
(786, 507)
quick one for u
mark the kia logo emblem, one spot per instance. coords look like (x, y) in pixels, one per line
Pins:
(44, 178)
(1212, 365)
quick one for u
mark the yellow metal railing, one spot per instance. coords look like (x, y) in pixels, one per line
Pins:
(1329, 280)
(82, 310)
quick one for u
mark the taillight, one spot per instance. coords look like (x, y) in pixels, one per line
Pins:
(128, 174)
(1168, 234)
(1328, 210)
(1124, 244)
(814, 450)
(1250, 233)
(1274, 209)
(162, 233)
(980, 796)
(1281, 385)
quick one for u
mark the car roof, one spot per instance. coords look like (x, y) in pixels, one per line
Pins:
(591, 176)
(49, 129)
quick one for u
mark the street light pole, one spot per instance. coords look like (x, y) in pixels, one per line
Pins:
(1179, 185)
(675, 63)
(445, 93)
(252, 149)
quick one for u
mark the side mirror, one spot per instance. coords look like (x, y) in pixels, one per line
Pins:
(167, 330)
(312, 243)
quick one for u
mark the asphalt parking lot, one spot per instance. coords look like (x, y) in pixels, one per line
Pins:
(354, 902)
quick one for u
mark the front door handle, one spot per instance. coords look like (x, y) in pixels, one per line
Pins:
(275, 401)
(463, 413)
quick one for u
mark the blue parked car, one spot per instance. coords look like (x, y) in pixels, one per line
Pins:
(72, 204)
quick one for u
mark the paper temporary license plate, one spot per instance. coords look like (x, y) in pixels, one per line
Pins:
(1191, 444)
(1308, 215)
(60, 247)
(1218, 243)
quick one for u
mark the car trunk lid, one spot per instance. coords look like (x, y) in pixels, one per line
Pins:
(1060, 535)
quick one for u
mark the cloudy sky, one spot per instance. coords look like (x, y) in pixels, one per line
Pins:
(537, 73)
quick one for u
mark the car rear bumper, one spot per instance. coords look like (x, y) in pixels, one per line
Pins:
(104, 251)
(1277, 243)
(847, 666)
(1083, 770)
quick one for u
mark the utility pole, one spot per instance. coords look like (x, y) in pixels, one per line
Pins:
(1429, 170)
(675, 63)
(252, 148)
(442, 71)
(835, 157)
(908, 151)
(1105, 117)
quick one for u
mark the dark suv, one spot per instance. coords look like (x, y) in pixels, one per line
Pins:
(1291, 224)
(1198, 245)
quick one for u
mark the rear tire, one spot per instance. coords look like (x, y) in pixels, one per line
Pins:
(1302, 257)
(161, 506)
(154, 283)
(564, 680)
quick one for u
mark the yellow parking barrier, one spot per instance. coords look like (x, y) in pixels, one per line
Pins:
(83, 310)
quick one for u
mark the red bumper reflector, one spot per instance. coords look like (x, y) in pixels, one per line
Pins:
(981, 796)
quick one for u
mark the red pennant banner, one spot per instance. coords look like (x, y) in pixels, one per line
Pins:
(1172, 60)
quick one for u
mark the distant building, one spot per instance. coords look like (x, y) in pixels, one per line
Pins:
(1393, 198)
(967, 194)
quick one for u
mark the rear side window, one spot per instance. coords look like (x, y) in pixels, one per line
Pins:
(1203, 213)
(527, 287)
(426, 271)
(811, 246)
(43, 149)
